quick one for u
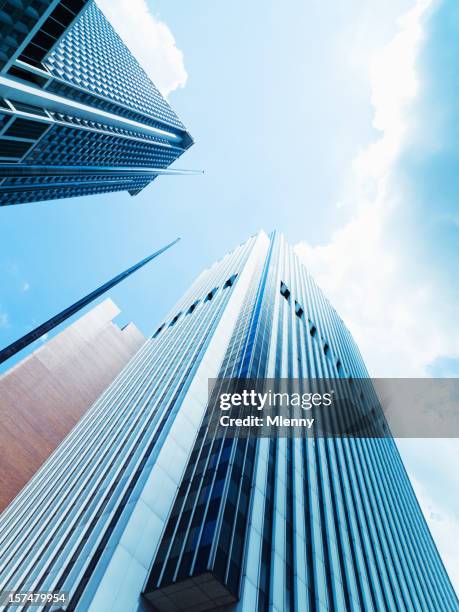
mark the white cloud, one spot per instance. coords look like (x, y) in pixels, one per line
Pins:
(366, 274)
(437, 494)
(369, 277)
(394, 85)
(150, 40)
(25, 286)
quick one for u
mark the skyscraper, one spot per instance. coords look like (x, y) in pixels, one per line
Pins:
(78, 114)
(43, 396)
(141, 508)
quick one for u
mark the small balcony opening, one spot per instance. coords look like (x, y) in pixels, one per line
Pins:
(299, 310)
(211, 294)
(175, 319)
(159, 330)
(192, 308)
(230, 281)
(284, 290)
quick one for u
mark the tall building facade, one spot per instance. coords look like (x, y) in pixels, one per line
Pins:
(43, 396)
(78, 114)
(141, 508)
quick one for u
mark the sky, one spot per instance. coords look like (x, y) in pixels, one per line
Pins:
(335, 123)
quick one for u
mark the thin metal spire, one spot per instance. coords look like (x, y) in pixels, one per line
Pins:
(41, 330)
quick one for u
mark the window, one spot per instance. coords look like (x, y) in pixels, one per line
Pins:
(26, 128)
(13, 148)
(29, 108)
(192, 307)
(25, 75)
(175, 319)
(299, 310)
(339, 367)
(230, 281)
(284, 290)
(326, 349)
(312, 328)
(159, 330)
(211, 294)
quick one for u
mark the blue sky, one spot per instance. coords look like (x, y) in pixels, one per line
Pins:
(272, 142)
(333, 122)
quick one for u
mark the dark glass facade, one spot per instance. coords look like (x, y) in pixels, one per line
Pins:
(73, 98)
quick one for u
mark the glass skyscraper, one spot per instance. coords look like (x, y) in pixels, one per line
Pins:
(78, 114)
(141, 507)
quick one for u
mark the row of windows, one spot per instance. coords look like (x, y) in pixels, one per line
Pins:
(13, 148)
(26, 75)
(79, 146)
(22, 196)
(93, 99)
(51, 30)
(192, 308)
(106, 67)
(17, 19)
(299, 311)
(19, 133)
(77, 179)
(26, 128)
(96, 125)
(25, 108)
